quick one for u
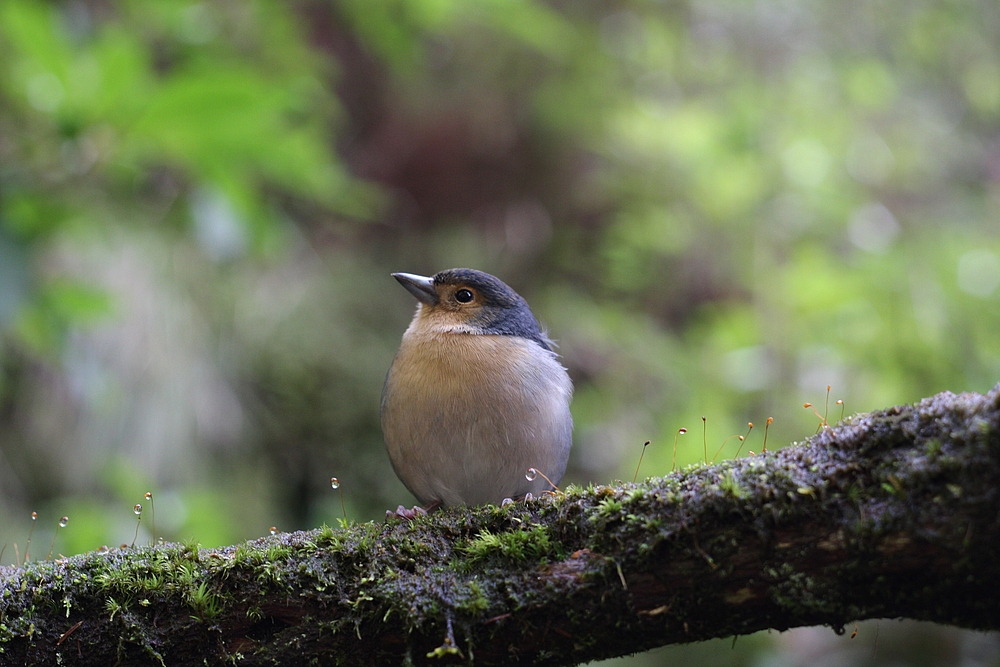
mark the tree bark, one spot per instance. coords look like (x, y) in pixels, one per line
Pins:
(892, 514)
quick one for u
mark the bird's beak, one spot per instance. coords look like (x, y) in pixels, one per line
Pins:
(419, 286)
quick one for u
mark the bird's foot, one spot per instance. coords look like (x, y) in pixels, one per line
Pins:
(411, 514)
(403, 513)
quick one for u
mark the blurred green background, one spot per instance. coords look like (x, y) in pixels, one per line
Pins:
(717, 208)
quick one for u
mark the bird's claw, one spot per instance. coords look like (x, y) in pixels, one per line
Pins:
(403, 513)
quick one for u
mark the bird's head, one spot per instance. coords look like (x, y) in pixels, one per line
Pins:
(471, 302)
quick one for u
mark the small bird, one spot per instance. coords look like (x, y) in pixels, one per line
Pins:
(475, 395)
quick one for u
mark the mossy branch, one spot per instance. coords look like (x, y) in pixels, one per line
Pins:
(893, 514)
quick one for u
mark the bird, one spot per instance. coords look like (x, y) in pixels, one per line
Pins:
(475, 396)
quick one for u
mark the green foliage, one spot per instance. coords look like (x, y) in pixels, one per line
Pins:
(60, 306)
(713, 211)
(97, 108)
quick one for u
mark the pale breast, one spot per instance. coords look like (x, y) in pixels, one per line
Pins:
(464, 416)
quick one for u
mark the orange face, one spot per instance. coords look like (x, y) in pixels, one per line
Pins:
(459, 307)
(470, 301)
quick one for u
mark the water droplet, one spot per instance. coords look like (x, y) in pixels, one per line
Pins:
(137, 509)
(63, 521)
(334, 483)
(531, 475)
(274, 530)
(149, 496)
(34, 516)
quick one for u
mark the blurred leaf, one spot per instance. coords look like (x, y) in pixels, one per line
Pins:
(59, 306)
(77, 303)
(89, 526)
(209, 518)
(30, 216)
(30, 29)
(870, 84)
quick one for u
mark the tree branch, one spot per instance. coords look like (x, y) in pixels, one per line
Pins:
(893, 514)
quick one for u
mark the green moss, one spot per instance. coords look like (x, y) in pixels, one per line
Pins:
(205, 604)
(607, 507)
(729, 484)
(190, 549)
(932, 448)
(516, 545)
(244, 556)
(634, 495)
(278, 551)
(475, 602)
(414, 548)
(328, 537)
(269, 573)
(112, 607)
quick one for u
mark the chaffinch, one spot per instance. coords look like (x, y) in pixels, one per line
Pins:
(475, 395)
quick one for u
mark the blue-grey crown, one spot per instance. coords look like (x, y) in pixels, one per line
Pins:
(504, 312)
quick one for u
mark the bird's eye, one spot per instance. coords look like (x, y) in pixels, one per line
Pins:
(464, 296)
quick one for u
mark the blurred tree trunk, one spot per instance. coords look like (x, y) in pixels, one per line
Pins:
(894, 514)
